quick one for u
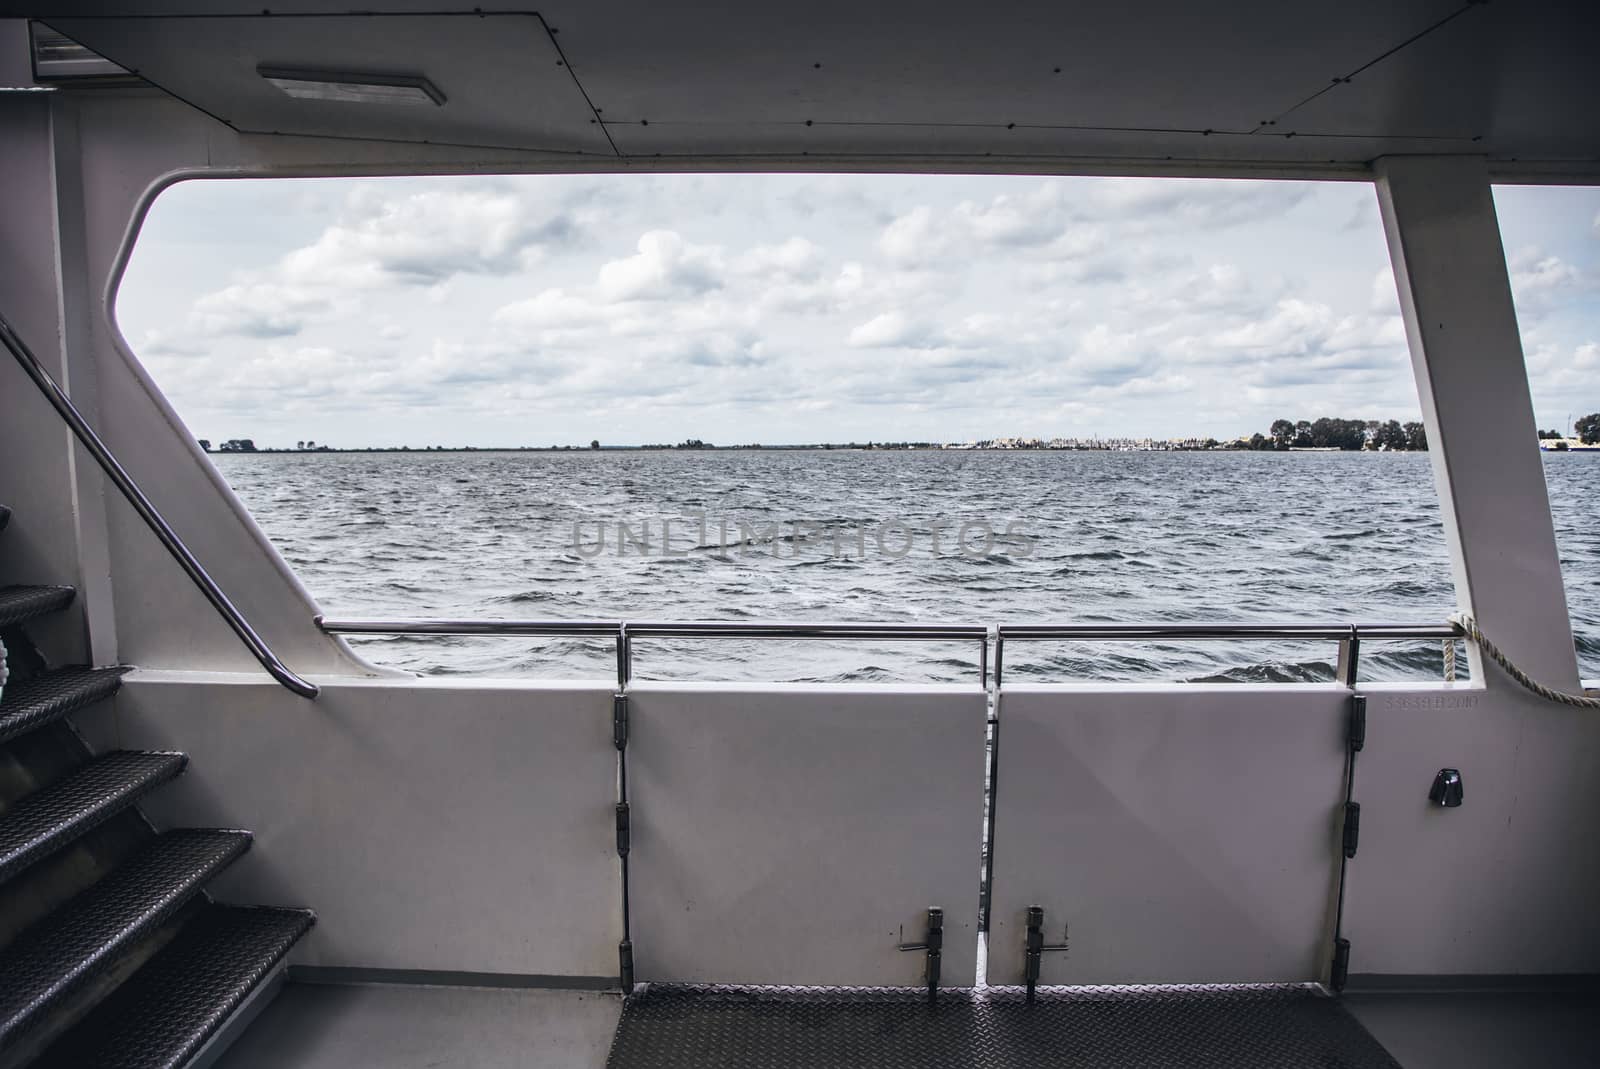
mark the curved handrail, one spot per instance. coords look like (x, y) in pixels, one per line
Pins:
(147, 511)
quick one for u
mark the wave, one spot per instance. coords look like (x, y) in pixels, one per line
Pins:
(1274, 672)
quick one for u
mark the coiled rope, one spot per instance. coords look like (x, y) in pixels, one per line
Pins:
(1473, 632)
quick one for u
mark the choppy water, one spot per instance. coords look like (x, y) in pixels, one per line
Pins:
(1093, 537)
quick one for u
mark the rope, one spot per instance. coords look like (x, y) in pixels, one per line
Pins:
(1449, 660)
(1470, 626)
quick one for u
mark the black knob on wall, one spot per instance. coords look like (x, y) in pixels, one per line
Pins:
(1446, 789)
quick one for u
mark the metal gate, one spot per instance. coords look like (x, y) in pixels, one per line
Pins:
(1168, 835)
(793, 836)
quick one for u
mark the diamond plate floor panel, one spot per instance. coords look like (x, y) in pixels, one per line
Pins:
(19, 604)
(167, 1011)
(668, 1026)
(49, 819)
(60, 953)
(31, 704)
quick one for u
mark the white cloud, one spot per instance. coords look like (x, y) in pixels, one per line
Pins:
(1534, 272)
(912, 238)
(1385, 297)
(258, 309)
(426, 237)
(888, 330)
(551, 309)
(1065, 219)
(386, 238)
(793, 259)
(664, 266)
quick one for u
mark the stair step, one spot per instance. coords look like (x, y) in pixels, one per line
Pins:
(49, 960)
(51, 818)
(35, 702)
(19, 604)
(168, 1010)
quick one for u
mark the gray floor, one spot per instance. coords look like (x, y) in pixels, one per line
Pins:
(319, 1026)
(1483, 1031)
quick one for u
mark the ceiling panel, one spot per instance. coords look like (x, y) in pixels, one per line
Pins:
(731, 140)
(1142, 64)
(1519, 80)
(1141, 79)
(504, 82)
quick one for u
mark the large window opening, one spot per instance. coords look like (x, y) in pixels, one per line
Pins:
(810, 397)
(1552, 241)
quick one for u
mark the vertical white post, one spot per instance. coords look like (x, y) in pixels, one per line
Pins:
(1466, 352)
(77, 312)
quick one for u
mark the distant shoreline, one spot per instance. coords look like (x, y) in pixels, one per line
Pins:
(405, 451)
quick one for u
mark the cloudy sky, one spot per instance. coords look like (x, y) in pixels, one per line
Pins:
(803, 308)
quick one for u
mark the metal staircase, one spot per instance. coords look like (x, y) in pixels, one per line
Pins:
(111, 952)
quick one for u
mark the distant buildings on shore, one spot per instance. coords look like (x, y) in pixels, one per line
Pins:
(1115, 445)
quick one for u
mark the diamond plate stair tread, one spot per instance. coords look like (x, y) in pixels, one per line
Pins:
(19, 604)
(50, 959)
(164, 1014)
(33, 703)
(669, 1026)
(53, 817)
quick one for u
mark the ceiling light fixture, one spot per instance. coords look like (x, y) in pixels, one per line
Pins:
(410, 90)
(58, 58)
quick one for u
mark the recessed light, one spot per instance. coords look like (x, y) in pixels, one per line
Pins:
(409, 90)
(58, 58)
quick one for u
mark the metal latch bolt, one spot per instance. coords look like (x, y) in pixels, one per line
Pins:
(1037, 948)
(933, 943)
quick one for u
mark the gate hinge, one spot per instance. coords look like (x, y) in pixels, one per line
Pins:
(933, 943)
(1340, 972)
(1035, 948)
(625, 966)
(1358, 723)
(624, 827)
(619, 721)
(1352, 828)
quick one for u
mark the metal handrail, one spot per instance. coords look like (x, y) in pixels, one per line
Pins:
(625, 631)
(1348, 636)
(1135, 632)
(888, 632)
(147, 511)
(495, 628)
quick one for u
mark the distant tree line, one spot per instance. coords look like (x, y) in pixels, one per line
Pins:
(1585, 429)
(687, 443)
(1349, 434)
